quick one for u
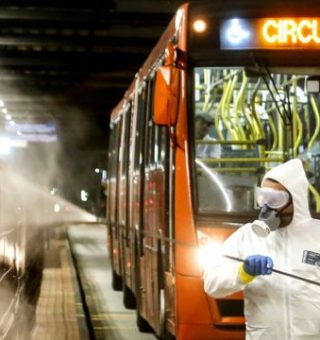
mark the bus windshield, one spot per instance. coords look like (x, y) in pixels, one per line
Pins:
(246, 122)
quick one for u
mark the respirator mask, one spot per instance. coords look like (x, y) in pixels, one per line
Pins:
(272, 202)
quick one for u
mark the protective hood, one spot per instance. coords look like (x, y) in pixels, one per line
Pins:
(293, 177)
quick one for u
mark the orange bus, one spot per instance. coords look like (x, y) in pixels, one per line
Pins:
(229, 91)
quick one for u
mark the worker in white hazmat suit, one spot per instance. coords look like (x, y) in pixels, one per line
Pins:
(276, 307)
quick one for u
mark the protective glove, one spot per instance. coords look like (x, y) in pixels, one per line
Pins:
(258, 265)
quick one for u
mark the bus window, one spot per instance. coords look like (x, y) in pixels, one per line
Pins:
(155, 254)
(123, 198)
(139, 134)
(244, 124)
(138, 166)
(113, 172)
(110, 165)
(149, 161)
(162, 186)
(150, 150)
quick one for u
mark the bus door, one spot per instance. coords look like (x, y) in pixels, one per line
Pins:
(137, 183)
(112, 192)
(155, 219)
(123, 206)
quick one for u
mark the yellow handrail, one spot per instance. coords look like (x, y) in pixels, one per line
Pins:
(274, 133)
(248, 116)
(280, 135)
(238, 107)
(316, 196)
(220, 110)
(226, 142)
(223, 104)
(297, 125)
(317, 118)
(227, 114)
(259, 133)
(244, 169)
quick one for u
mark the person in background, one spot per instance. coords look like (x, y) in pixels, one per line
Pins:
(285, 236)
(203, 124)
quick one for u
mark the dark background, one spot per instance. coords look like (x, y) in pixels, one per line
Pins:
(69, 62)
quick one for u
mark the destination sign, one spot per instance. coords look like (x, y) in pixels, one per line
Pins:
(302, 33)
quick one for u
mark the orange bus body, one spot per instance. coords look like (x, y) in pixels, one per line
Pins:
(157, 268)
(163, 196)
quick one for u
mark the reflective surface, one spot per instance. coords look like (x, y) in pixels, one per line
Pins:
(246, 122)
(109, 317)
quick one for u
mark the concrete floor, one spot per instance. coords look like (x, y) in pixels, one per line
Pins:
(109, 317)
(59, 311)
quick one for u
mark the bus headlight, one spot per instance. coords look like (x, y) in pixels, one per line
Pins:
(209, 251)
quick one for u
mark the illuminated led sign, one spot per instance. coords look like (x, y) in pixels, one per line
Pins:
(270, 33)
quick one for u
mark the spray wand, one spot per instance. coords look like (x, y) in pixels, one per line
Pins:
(278, 272)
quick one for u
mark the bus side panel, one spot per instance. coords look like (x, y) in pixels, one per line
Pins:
(123, 197)
(154, 228)
(134, 235)
(136, 185)
(195, 318)
(205, 332)
(147, 244)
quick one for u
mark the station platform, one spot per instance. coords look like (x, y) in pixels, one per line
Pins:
(77, 269)
(59, 313)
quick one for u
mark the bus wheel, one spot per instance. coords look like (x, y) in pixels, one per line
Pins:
(116, 281)
(142, 324)
(129, 300)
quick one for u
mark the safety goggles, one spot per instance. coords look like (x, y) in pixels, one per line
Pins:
(274, 199)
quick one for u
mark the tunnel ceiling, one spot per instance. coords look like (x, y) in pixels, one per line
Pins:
(70, 60)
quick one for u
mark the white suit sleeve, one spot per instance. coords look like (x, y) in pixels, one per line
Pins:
(221, 276)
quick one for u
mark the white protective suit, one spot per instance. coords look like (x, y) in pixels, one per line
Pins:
(277, 307)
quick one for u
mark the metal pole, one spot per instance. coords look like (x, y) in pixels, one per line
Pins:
(278, 271)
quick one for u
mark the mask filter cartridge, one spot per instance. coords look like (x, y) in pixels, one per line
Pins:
(267, 221)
